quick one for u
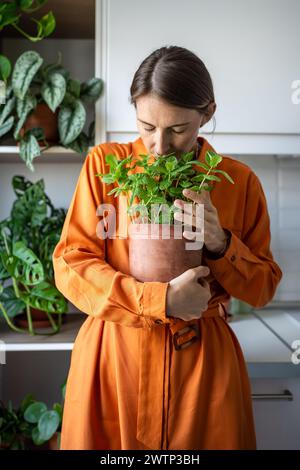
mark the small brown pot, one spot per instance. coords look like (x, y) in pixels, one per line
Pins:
(156, 253)
(43, 117)
(53, 442)
(39, 319)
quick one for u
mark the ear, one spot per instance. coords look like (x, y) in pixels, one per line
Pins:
(210, 111)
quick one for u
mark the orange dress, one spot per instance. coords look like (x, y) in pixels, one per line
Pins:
(128, 387)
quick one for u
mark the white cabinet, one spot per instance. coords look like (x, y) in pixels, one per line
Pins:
(248, 47)
(277, 416)
(265, 338)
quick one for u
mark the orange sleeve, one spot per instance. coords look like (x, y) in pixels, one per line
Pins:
(247, 271)
(81, 273)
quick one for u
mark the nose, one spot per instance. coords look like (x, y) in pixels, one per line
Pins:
(161, 144)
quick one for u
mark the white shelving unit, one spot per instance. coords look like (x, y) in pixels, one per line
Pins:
(62, 341)
(39, 364)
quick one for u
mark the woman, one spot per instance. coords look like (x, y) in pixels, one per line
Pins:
(129, 386)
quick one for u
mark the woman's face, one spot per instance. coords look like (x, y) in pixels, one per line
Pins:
(165, 128)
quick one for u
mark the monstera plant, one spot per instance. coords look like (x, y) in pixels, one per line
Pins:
(27, 240)
(44, 105)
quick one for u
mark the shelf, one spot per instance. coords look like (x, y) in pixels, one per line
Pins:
(10, 154)
(62, 341)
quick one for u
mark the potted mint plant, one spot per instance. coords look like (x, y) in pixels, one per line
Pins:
(45, 106)
(27, 240)
(157, 254)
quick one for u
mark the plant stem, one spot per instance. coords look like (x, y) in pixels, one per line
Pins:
(201, 184)
(204, 179)
(53, 324)
(29, 319)
(16, 289)
(31, 38)
(9, 322)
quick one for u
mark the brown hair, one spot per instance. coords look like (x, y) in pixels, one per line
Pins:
(176, 75)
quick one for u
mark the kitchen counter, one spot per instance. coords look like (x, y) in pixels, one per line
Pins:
(266, 338)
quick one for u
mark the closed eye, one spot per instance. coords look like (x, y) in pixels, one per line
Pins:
(175, 132)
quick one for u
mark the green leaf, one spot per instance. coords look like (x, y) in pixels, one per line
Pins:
(164, 184)
(25, 4)
(30, 209)
(12, 304)
(8, 14)
(46, 25)
(25, 69)
(48, 424)
(159, 200)
(211, 178)
(71, 120)
(187, 157)
(46, 297)
(53, 90)
(56, 68)
(6, 126)
(24, 107)
(23, 264)
(20, 184)
(81, 144)
(212, 159)
(34, 412)
(36, 437)
(37, 132)
(185, 184)
(108, 178)
(59, 410)
(112, 161)
(91, 89)
(29, 149)
(36, 5)
(27, 400)
(205, 167)
(63, 389)
(171, 163)
(73, 87)
(224, 174)
(5, 68)
(7, 109)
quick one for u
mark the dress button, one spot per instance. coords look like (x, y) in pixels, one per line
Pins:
(233, 257)
(158, 321)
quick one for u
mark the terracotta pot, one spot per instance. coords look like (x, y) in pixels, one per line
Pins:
(53, 442)
(43, 117)
(156, 253)
(39, 319)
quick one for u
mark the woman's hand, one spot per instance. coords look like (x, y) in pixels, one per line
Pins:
(215, 238)
(188, 294)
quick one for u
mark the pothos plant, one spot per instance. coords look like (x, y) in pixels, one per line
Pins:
(32, 83)
(31, 424)
(27, 241)
(160, 182)
(11, 13)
